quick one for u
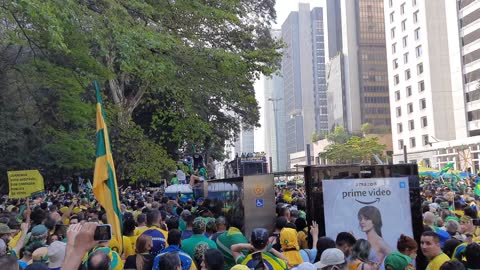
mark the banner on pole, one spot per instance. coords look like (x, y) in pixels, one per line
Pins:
(22, 184)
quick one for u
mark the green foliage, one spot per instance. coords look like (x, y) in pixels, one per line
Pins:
(317, 136)
(173, 74)
(339, 136)
(354, 150)
(139, 159)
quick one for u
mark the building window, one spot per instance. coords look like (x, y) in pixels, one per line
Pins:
(415, 16)
(404, 25)
(394, 47)
(425, 140)
(410, 107)
(420, 68)
(399, 111)
(412, 142)
(408, 75)
(417, 33)
(397, 95)
(402, 9)
(395, 63)
(414, 3)
(421, 86)
(411, 125)
(399, 128)
(408, 90)
(400, 144)
(418, 51)
(390, 3)
(405, 58)
(404, 41)
(392, 32)
(396, 79)
(392, 17)
(424, 121)
(423, 104)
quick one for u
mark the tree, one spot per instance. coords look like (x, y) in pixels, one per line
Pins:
(339, 135)
(182, 71)
(354, 150)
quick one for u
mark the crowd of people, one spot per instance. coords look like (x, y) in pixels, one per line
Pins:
(56, 230)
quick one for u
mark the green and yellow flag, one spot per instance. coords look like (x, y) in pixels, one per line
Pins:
(476, 190)
(104, 180)
(447, 167)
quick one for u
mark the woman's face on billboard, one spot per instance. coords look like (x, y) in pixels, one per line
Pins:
(365, 224)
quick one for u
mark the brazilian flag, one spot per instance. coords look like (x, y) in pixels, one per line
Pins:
(476, 190)
(105, 186)
(447, 167)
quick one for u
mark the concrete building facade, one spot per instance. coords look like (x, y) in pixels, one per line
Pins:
(275, 133)
(304, 83)
(419, 77)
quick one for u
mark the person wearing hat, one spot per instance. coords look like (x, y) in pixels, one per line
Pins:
(402, 258)
(332, 259)
(467, 228)
(198, 229)
(239, 267)
(5, 235)
(272, 259)
(56, 255)
(39, 233)
(291, 248)
(397, 261)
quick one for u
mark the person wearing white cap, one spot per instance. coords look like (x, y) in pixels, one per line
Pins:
(305, 266)
(56, 255)
(332, 259)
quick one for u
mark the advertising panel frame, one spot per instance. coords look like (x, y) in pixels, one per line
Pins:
(314, 176)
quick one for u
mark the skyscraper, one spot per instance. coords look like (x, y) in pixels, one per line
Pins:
(356, 33)
(275, 139)
(303, 70)
(318, 62)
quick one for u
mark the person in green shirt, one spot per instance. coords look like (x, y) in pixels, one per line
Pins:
(198, 228)
(430, 245)
(231, 237)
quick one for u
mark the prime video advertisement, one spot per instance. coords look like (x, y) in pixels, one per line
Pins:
(375, 209)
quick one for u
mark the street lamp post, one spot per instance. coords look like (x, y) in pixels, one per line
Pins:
(274, 102)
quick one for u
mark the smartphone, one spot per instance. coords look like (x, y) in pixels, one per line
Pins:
(258, 261)
(103, 232)
(476, 222)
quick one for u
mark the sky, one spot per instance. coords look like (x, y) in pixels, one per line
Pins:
(283, 8)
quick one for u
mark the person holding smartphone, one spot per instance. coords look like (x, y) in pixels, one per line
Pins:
(261, 256)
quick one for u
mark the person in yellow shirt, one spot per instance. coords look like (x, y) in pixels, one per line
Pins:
(141, 224)
(430, 245)
(129, 237)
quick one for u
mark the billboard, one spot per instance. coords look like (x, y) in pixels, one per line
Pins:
(375, 209)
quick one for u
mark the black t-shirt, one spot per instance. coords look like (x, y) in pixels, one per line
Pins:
(131, 262)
